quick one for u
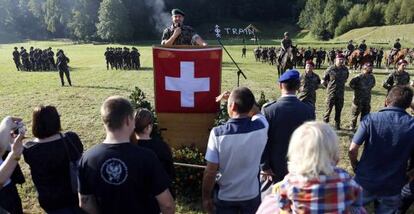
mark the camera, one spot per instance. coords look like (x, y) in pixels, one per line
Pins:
(20, 128)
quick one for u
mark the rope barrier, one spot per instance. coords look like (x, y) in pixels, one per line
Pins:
(190, 165)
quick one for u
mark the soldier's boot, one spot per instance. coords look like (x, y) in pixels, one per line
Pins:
(338, 125)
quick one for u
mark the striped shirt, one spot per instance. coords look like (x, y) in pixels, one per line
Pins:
(237, 147)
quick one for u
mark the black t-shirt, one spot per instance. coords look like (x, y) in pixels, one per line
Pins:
(49, 166)
(163, 152)
(123, 177)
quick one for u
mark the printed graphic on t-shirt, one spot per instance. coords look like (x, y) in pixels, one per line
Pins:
(114, 171)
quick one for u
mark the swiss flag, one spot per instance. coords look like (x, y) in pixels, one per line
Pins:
(187, 80)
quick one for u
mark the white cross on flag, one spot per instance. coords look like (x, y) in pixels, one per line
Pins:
(187, 80)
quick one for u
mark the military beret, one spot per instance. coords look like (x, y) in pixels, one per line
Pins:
(177, 11)
(340, 56)
(310, 62)
(290, 74)
(401, 61)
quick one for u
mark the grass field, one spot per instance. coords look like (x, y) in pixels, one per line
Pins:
(79, 105)
(381, 34)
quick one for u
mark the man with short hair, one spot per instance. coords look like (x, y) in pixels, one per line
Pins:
(362, 86)
(119, 177)
(334, 80)
(388, 139)
(309, 83)
(284, 116)
(398, 77)
(233, 156)
(180, 34)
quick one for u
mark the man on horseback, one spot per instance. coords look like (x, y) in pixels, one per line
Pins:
(350, 48)
(363, 46)
(286, 43)
(395, 49)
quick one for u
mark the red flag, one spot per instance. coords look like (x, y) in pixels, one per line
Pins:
(187, 80)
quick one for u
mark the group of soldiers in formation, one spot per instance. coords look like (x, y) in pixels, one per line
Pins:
(42, 60)
(36, 59)
(122, 59)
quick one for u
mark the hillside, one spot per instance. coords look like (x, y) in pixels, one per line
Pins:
(383, 34)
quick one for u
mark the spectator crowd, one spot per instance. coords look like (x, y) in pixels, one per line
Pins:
(280, 144)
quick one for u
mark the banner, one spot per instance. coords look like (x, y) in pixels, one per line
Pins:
(187, 80)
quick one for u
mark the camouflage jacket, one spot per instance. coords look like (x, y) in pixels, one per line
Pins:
(396, 78)
(187, 36)
(362, 86)
(335, 79)
(309, 83)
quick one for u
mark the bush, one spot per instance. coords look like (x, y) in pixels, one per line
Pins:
(139, 100)
(188, 180)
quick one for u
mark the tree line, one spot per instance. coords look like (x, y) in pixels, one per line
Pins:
(132, 20)
(329, 18)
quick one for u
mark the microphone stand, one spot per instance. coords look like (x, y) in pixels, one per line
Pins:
(239, 71)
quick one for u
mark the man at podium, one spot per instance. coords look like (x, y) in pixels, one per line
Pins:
(180, 34)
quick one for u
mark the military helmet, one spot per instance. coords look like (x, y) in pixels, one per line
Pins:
(15, 48)
(398, 39)
(363, 40)
(350, 41)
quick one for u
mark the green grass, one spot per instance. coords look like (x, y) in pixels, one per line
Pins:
(79, 105)
(382, 34)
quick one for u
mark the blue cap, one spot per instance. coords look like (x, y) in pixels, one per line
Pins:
(291, 74)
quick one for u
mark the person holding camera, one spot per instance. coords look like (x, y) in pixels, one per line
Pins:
(180, 34)
(49, 155)
(12, 132)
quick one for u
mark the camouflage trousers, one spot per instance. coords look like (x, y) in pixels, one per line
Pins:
(332, 101)
(362, 109)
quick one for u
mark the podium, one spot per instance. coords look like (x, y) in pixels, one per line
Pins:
(186, 81)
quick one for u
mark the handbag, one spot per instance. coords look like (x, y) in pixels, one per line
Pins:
(73, 162)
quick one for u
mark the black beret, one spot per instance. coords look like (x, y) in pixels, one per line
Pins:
(177, 11)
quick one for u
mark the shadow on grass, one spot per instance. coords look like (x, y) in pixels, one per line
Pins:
(102, 87)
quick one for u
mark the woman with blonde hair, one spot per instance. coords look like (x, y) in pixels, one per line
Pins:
(314, 183)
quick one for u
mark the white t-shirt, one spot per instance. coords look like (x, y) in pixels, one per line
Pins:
(8, 180)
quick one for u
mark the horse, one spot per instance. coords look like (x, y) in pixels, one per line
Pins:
(287, 61)
(359, 58)
(395, 58)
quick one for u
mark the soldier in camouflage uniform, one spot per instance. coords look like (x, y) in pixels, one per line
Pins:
(334, 80)
(16, 58)
(309, 83)
(397, 77)
(179, 34)
(362, 86)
